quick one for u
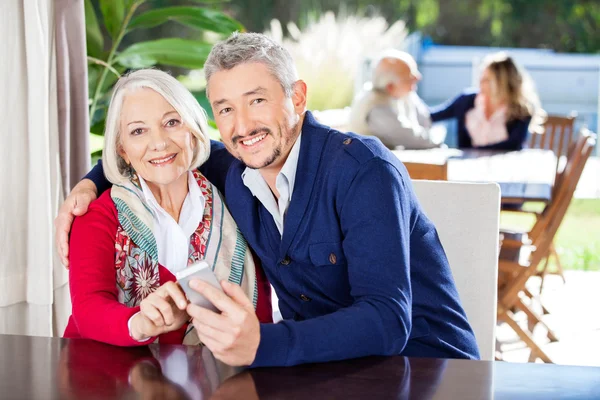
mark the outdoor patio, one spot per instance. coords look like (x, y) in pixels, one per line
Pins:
(573, 317)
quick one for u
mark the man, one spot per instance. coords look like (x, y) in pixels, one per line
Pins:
(358, 268)
(390, 109)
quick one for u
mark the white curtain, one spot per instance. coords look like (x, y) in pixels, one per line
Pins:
(34, 293)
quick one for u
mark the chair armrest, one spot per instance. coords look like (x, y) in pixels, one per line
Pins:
(517, 243)
(521, 211)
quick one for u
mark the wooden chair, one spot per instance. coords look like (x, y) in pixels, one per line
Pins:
(425, 171)
(522, 253)
(558, 136)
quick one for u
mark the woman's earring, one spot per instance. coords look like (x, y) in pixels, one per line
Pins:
(129, 169)
(133, 176)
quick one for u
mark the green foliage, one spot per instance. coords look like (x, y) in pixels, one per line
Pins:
(562, 25)
(427, 13)
(172, 51)
(114, 13)
(193, 17)
(578, 238)
(94, 38)
(107, 60)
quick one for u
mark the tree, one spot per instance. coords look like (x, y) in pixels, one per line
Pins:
(562, 25)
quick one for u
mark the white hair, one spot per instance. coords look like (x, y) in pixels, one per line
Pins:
(241, 48)
(382, 76)
(192, 114)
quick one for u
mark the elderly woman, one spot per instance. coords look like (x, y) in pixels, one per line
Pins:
(160, 217)
(501, 113)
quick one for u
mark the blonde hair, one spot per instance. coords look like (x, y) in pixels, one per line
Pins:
(193, 116)
(513, 85)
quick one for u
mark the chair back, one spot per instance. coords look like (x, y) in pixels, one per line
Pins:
(466, 216)
(567, 183)
(557, 135)
(564, 187)
(544, 230)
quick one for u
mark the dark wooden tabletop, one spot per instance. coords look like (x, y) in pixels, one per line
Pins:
(51, 368)
(519, 192)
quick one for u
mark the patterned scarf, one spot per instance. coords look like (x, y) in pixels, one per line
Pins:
(216, 240)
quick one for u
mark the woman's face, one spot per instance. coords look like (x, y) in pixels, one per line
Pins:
(486, 83)
(153, 138)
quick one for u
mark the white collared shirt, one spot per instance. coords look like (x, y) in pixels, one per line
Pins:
(173, 237)
(284, 183)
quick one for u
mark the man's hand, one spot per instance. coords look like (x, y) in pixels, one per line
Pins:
(75, 204)
(232, 336)
(161, 311)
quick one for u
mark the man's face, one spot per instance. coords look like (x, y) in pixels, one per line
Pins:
(405, 83)
(258, 123)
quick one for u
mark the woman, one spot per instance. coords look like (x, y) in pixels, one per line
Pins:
(501, 113)
(160, 216)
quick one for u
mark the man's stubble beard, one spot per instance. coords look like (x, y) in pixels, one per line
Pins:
(293, 133)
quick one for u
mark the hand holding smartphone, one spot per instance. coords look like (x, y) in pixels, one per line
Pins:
(202, 271)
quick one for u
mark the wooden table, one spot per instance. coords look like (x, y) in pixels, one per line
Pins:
(526, 175)
(52, 368)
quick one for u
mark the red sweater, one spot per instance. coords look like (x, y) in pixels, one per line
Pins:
(97, 313)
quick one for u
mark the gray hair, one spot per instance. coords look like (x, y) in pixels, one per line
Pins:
(383, 76)
(242, 48)
(193, 116)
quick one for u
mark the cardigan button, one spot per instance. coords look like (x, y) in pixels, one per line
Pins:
(332, 258)
(305, 298)
(347, 141)
(286, 261)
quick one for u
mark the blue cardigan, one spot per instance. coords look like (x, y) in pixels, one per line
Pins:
(457, 107)
(360, 269)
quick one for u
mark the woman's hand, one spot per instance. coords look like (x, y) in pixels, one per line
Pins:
(160, 312)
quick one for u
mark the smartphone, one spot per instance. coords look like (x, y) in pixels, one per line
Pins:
(200, 270)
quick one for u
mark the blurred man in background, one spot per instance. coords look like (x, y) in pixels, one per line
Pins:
(390, 109)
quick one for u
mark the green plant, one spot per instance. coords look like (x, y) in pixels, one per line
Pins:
(107, 60)
(584, 258)
(577, 250)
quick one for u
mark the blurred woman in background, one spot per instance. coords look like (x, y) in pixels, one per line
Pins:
(498, 115)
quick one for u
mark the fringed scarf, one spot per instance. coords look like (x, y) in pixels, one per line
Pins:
(217, 240)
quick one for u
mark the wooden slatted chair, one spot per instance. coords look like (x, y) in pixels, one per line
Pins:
(559, 137)
(522, 253)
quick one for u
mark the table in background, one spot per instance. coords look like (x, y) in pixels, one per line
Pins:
(525, 175)
(51, 368)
